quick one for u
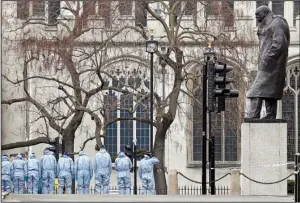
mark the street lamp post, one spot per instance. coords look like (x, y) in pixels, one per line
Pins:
(151, 47)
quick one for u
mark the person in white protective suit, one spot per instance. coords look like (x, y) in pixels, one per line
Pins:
(123, 166)
(146, 174)
(83, 173)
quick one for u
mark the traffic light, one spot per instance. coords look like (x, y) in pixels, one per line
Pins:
(55, 147)
(216, 87)
(129, 152)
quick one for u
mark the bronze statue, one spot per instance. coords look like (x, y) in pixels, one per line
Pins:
(274, 39)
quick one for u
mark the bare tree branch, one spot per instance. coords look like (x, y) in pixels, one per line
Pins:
(45, 78)
(85, 142)
(35, 141)
(12, 101)
(143, 120)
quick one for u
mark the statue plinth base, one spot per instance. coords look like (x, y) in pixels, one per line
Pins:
(264, 156)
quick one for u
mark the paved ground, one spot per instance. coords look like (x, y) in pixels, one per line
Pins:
(133, 199)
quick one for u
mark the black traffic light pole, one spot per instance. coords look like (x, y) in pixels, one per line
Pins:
(297, 178)
(134, 170)
(211, 107)
(214, 87)
(212, 173)
(204, 116)
(151, 101)
(207, 107)
(130, 151)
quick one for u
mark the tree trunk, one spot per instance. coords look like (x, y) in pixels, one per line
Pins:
(159, 153)
(69, 148)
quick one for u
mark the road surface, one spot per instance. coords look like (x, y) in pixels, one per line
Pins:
(140, 198)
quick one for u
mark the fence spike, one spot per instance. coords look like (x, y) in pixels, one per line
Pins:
(193, 189)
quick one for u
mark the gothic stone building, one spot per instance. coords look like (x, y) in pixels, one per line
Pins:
(183, 149)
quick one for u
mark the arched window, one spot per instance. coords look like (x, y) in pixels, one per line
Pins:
(223, 129)
(197, 126)
(126, 128)
(125, 105)
(296, 11)
(290, 104)
(231, 117)
(216, 131)
(110, 141)
(143, 129)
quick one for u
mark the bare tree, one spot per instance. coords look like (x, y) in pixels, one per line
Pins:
(79, 74)
(179, 33)
(61, 63)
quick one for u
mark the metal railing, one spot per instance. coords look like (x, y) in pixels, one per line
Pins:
(182, 190)
(115, 190)
(197, 190)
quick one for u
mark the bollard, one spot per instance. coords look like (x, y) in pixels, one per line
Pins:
(173, 182)
(235, 184)
(297, 178)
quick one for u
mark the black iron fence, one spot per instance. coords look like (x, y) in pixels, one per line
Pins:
(197, 190)
(114, 190)
(182, 190)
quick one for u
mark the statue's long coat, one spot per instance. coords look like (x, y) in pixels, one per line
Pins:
(274, 40)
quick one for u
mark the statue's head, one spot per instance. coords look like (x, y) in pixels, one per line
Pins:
(261, 12)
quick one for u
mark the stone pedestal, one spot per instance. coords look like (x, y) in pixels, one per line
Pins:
(264, 156)
(235, 183)
(173, 182)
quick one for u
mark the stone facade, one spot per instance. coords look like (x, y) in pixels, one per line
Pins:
(17, 125)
